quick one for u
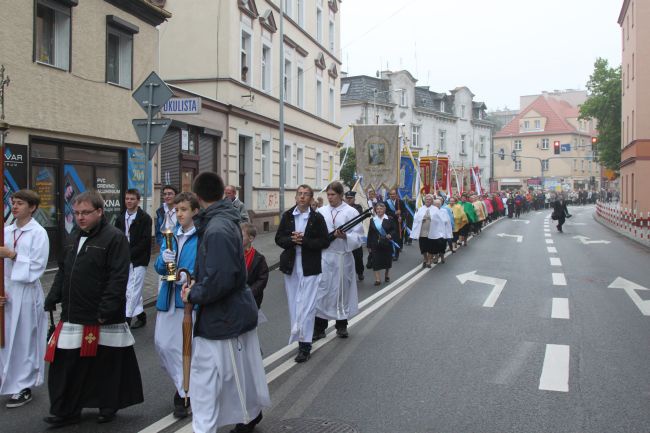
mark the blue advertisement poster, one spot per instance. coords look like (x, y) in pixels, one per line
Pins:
(135, 174)
(406, 177)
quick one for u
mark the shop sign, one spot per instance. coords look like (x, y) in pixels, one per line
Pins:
(182, 106)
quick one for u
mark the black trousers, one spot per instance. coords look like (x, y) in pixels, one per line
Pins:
(358, 260)
(320, 325)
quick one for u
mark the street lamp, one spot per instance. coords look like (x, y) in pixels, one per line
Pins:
(374, 100)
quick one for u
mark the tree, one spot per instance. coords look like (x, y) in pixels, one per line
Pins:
(604, 105)
(349, 168)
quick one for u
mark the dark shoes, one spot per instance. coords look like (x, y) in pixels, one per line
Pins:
(62, 421)
(342, 332)
(387, 279)
(360, 277)
(559, 229)
(141, 320)
(106, 415)
(180, 409)
(377, 283)
(302, 356)
(20, 399)
(247, 428)
(318, 335)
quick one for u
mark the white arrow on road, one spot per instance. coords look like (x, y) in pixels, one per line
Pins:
(497, 283)
(519, 237)
(575, 224)
(631, 288)
(523, 221)
(585, 240)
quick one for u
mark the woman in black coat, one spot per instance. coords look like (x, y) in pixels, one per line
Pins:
(560, 212)
(379, 242)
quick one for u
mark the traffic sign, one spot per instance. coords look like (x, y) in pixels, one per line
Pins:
(158, 129)
(159, 95)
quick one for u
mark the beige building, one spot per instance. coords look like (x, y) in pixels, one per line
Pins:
(634, 20)
(73, 66)
(228, 52)
(546, 135)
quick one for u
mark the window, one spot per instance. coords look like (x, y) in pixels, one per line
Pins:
(300, 163)
(481, 149)
(287, 80)
(415, 136)
(462, 111)
(288, 8)
(518, 165)
(442, 134)
(575, 164)
(301, 13)
(301, 87)
(344, 88)
(545, 164)
(266, 68)
(245, 56)
(538, 124)
(331, 35)
(190, 140)
(319, 23)
(287, 165)
(331, 167)
(402, 98)
(319, 98)
(518, 145)
(442, 105)
(526, 124)
(545, 143)
(319, 170)
(627, 83)
(463, 148)
(266, 163)
(331, 105)
(119, 53)
(582, 165)
(52, 34)
(632, 66)
(589, 166)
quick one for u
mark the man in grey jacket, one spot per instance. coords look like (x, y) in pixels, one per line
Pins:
(231, 194)
(225, 333)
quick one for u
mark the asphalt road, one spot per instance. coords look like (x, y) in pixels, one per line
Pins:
(428, 353)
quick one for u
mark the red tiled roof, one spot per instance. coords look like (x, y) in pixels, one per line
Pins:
(555, 111)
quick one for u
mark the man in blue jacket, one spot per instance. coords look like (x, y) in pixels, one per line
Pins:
(227, 380)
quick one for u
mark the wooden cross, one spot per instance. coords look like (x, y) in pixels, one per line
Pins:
(4, 82)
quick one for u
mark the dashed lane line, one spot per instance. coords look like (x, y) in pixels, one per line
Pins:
(560, 308)
(555, 371)
(559, 279)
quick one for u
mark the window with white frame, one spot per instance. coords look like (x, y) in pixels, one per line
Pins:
(415, 136)
(300, 163)
(442, 144)
(301, 13)
(266, 67)
(331, 105)
(287, 165)
(481, 146)
(319, 170)
(538, 124)
(518, 165)
(288, 8)
(52, 34)
(119, 55)
(545, 164)
(403, 101)
(287, 80)
(526, 124)
(545, 143)
(331, 35)
(344, 88)
(442, 105)
(319, 23)
(266, 163)
(319, 97)
(300, 78)
(463, 146)
(518, 145)
(245, 56)
(462, 111)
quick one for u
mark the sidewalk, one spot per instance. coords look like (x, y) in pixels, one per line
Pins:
(264, 243)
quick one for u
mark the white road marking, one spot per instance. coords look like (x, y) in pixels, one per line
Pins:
(560, 308)
(547, 230)
(555, 372)
(551, 249)
(555, 261)
(547, 235)
(630, 288)
(559, 279)
(518, 237)
(497, 285)
(585, 240)
(549, 241)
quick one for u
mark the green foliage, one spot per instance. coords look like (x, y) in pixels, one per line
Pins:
(348, 170)
(604, 105)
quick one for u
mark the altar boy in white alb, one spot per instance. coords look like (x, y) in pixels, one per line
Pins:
(337, 298)
(25, 254)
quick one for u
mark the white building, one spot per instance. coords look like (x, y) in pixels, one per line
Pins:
(444, 124)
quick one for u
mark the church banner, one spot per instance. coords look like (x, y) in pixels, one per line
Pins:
(378, 155)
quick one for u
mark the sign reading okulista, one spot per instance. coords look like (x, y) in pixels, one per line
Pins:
(182, 106)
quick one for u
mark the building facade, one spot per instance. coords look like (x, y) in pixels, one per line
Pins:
(228, 52)
(73, 66)
(531, 137)
(434, 123)
(634, 20)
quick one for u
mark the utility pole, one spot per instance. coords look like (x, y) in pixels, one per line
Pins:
(283, 174)
(4, 127)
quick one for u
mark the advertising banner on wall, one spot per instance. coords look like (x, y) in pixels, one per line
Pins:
(135, 171)
(15, 175)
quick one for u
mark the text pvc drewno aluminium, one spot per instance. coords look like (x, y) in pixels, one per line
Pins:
(182, 106)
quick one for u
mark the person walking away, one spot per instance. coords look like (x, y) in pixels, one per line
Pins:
(337, 292)
(25, 255)
(227, 379)
(168, 335)
(91, 356)
(136, 225)
(381, 232)
(303, 236)
(358, 253)
(166, 213)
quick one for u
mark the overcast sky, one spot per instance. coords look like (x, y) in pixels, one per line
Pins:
(500, 49)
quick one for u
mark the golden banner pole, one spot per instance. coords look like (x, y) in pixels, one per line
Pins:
(4, 127)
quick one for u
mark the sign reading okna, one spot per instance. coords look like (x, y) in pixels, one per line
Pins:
(182, 106)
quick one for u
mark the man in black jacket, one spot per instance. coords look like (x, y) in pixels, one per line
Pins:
(136, 225)
(358, 253)
(303, 235)
(93, 363)
(225, 332)
(560, 212)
